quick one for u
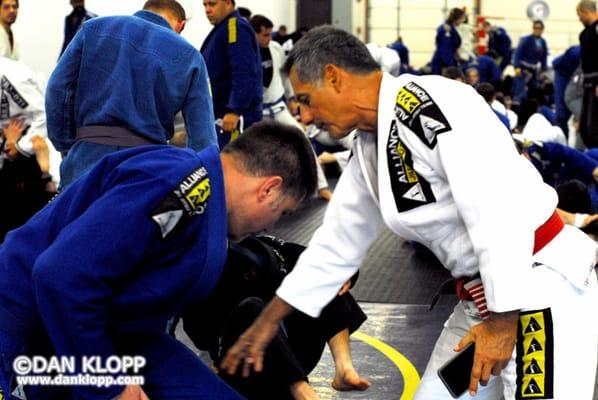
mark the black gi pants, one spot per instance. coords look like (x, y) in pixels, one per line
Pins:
(588, 124)
(296, 349)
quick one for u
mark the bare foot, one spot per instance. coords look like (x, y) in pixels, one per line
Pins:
(349, 379)
(303, 391)
(42, 154)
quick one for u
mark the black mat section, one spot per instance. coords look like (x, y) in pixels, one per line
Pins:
(394, 270)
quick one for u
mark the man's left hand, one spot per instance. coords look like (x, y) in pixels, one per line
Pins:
(494, 342)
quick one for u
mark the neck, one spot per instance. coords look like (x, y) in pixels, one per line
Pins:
(6, 27)
(367, 91)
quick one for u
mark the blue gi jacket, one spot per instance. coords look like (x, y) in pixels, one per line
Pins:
(500, 42)
(235, 68)
(448, 41)
(80, 15)
(530, 52)
(487, 69)
(403, 52)
(567, 63)
(120, 251)
(132, 72)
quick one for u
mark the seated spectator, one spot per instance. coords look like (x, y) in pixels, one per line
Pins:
(454, 73)
(486, 90)
(255, 268)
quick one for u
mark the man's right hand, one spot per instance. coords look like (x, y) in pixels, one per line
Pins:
(132, 392)
(230, 122)
(248, 351)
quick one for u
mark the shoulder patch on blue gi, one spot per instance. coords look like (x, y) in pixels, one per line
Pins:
(232, 30)
(189, 198)
(535, 355)
(408, 188)
(416, 109)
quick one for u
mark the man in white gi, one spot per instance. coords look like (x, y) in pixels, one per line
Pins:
(9, 10)
(277, 88)
(487, 216)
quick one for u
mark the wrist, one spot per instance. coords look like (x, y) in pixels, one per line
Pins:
(579, 220)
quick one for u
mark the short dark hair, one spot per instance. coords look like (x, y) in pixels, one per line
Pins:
(172, 6)
(538, 22)
(486, 90)
(328, 45)
(17, 1)
(244, 11)
(452, 72)
(270, 148)
(259, 21)
(454, 15)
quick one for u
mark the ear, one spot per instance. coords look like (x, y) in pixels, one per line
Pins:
(180, 26)
(332, 76)
(269, 187)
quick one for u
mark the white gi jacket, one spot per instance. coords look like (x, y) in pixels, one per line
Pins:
(280, 85)
(443, 171)
(22, 96)
(5, 49)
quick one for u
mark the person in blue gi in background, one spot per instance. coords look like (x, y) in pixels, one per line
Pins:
(102, 268)
(120, 83)
(564, 67)
(500, 42)
(235, 69)
(529, 62)
(448, 42)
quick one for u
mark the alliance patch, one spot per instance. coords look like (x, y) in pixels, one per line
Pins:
(535, 355)
(188, 199)
(408, 188)
(416, 109)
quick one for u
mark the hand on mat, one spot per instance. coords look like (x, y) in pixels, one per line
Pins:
(248, 351)
(132, 392)
(494, 342)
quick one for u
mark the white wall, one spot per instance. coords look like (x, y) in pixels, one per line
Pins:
(40, 24)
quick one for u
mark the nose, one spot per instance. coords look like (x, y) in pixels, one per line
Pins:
(306, 114)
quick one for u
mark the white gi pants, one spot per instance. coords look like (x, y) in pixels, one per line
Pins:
(574, 345)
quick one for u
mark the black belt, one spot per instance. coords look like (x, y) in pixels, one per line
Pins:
(111, 136)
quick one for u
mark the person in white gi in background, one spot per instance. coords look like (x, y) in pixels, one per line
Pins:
(9, 47)
(277, 89)
(486, 215)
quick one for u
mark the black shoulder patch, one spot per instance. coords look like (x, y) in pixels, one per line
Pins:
(535, 355)
(189, 198)
(408, 188)
(416, 109)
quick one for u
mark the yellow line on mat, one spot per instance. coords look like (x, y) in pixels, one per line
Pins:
(410, 375)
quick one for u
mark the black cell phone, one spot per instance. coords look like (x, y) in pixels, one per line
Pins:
(456, 373)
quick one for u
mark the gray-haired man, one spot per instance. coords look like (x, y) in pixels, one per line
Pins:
(521, 272)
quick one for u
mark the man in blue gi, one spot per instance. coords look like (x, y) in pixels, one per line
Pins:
(120, 83)
(142, 236)
(73, 21)
(448, 42)
(529, 62)
(500, 42)
(235, 68)
(564, 67)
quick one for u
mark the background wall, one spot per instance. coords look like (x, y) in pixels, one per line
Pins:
(40, 24)
(39, 27)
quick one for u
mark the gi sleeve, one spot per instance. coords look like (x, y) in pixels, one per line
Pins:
(76, 277)
(245, 67)
(499, 196)
(517, 56)
(544, 56)
(60, 95)
(337, 248)
(198, 110)
(33, 92)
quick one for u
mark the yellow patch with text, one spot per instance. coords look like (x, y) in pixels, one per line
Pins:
(535, 355)
(407, 100)
(199, 194)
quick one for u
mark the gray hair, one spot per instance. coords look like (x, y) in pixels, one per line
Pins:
(587, 5)
(328, 45)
